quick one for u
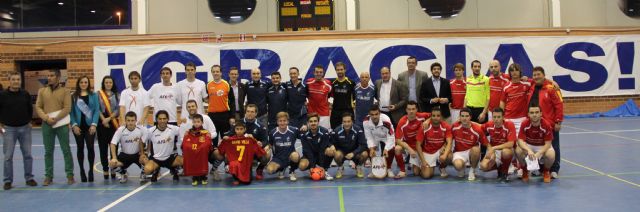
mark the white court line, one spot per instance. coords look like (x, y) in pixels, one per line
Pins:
(604, 133)
(601, 173)
(118, 201)
(598, 132)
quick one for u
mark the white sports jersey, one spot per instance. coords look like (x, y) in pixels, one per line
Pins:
(128, 140)
(207, 124)
(163, 97)
(134, 101)
(196, 90)
(162, 142)
(382, 132)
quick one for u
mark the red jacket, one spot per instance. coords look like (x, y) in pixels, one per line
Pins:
(550, 101)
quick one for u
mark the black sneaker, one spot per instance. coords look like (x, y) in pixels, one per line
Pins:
(31, 183)
(7, 186)
(176, 178)
(154, 177)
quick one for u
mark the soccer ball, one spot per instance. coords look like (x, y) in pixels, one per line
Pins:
(316, 173)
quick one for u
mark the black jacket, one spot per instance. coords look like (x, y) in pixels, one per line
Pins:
(428, 92)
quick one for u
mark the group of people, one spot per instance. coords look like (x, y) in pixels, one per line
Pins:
(428, 120)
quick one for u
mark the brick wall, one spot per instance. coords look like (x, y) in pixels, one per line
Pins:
(78, 53)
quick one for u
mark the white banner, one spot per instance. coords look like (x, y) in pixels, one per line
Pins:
(581, 65)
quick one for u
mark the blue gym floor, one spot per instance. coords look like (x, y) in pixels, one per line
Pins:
(600, 171)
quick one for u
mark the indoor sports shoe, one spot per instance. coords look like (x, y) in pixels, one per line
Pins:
(401, 175)
(472, 175)
(554, 175)
(123, 178)
(339, 172)
(292, 176)
(70, 180)
(216, 176)
(204, 181)
(390, 174)
(46, 182)
(7, 186)
(520, 173)
(259, 175)
(359, 172)
(328, 176)
(176, 178)
(443, 173)
(281, 175)
(31, 183)
(525, 176)
(461, 173)
(546, 176)
(194, 183)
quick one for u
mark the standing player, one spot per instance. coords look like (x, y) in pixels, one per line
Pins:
(221, 102)
(164, 96)
(467, 136)
(317, 150)
(458, 91)
(515, 97)
(296, 99)
(276, 99)
(240, 152)
(497, 81)
(319, 89)
(434, 146)
(343, 96)
(161, 142)
(196, 147)
(134, 99)
(379, 132)
(534, 142)
(350, 144)
(406, 136)
(365, 94)
(191, 88)
(502, 135)
(130, 139)
(283, 139)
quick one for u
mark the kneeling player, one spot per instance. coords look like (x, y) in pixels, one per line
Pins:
(434, 145)
(317, 150)
(379, 132)
(196, 146)
(350, 144)
(534, 141)
(502, 134)
(161, 139)
(406, 135)
(467, 136)
(283, 139)
(130, 138)
(239, 151)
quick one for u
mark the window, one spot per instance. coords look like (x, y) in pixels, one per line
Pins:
(232, 11)
(438, 9)
(54, 15)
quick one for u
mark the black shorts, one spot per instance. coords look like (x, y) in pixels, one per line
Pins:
(168, 163)
(283, 162)
(355, 158)
(127, 160)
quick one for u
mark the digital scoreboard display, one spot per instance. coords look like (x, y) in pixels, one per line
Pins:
(305, 15)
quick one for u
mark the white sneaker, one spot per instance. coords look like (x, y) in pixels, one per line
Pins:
(472, 175)
(519, 174)
(536, 173)
(123, 178)
(512, 169)
(461, 173)
(554, 175)
(339, 172)
(390, 174)
(327, 176)
(216, 176)
(281, 175)
(443, 172)
(292, 176)
(370, 175)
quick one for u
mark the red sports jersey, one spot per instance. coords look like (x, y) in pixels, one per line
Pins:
(434, 137)
(516, 100)
(496, 84)
(536, 136)
(408, 130)
(318, 96)
(458, 91)
(500, 135)
(240, 151)
(196, 146)
(466, 138)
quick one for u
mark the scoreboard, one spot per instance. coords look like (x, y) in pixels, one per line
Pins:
(305, 15)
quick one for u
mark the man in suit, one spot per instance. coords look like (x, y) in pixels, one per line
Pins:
(436, 91)
(238, 91)
(392, 95)
(412, 79)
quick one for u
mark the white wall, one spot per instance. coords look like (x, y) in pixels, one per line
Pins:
(594, 13)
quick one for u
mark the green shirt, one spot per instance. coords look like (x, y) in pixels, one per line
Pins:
(477, 91)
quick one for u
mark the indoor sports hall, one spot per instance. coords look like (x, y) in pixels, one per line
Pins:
(55, 55)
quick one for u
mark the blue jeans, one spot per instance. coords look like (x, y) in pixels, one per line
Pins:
(23, 135)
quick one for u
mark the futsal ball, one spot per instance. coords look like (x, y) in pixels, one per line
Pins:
(317, 173)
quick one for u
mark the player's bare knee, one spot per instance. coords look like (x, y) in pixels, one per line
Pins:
(458, 164)
(398, 150)
(272, 167)
(330, 152)
(294, 157)
(304, 164)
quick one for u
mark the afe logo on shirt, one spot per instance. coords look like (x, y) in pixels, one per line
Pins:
(219, 92)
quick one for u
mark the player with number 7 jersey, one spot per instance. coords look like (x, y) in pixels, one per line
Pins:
(240, 152)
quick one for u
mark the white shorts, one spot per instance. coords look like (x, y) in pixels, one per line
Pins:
(325, 121)
(517, 122)
(431, 159)
(463, 155)
(455, 115)
(498, 159)
(536, 149)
